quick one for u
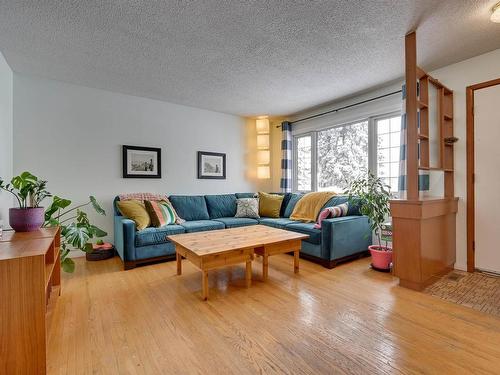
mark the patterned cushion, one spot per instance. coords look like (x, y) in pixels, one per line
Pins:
(336, 211)
(160, 212)
(247, 207)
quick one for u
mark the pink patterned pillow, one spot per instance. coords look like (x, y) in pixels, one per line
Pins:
(336, 211)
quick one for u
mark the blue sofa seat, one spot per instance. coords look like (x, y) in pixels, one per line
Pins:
(235, 222)
(306, 228)
(202, 225)
(279, 223)
(155, 236)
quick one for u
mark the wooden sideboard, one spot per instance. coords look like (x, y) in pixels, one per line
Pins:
(30, 281)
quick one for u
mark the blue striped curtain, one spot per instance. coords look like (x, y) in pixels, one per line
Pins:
(423, 176)
(286, 157)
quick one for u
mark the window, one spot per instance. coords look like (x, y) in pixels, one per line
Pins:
(342, 155)
(388, 142)
(328, 159)
(304, 163)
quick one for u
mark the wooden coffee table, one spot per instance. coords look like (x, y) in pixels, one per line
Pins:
(224, 247)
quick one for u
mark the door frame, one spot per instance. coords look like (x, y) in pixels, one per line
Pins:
(471, 219)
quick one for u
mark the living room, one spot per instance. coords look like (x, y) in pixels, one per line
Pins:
(241, 187)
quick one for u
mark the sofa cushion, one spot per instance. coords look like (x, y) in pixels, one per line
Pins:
(136, 211)
(155, 236)
(235, 222)
(340, 199)
(270, 204)
(306, 228)
(245, 195)
(247, 207)
(223, 205)
(190, 207)
(275, 223)
(292, 201)
(202, 225)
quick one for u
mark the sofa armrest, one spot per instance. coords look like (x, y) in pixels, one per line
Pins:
(344, 236)
(125, 238)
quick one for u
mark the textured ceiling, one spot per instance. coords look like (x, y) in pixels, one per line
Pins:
(240, 57)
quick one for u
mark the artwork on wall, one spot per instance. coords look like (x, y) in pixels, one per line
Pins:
(141, 162)
(211, 165)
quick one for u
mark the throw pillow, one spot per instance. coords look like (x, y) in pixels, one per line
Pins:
(136, 211)
(270, 204)
(161, 213)
(336, 211)
(247, 207)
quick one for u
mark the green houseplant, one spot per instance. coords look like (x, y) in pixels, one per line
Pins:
(29, 192)
(76, 228)
(372, 196)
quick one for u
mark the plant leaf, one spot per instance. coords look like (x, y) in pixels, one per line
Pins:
(68, 265)
(96, 206)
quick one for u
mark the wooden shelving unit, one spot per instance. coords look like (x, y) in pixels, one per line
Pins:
(424, 228)
(30, 280)
(445, 122)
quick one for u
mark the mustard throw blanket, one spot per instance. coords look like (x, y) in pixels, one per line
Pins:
(308, 207)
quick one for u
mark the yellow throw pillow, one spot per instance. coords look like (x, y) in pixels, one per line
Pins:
(270, 204)
(136, 211)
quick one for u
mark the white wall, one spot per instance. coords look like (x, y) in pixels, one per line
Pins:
(457, 77)
(72, 136)
(6, 81)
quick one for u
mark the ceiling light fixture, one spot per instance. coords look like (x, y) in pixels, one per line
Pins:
(495, 15)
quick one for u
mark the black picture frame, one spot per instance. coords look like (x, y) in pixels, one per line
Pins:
(128, 173)
(203, 174)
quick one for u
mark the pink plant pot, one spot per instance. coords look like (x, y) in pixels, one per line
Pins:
(26, 219)
(381, 257)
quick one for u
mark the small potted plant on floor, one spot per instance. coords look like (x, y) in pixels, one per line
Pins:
(372, 197)
(29, 192)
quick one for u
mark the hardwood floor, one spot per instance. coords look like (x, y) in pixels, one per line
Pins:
(345, 320)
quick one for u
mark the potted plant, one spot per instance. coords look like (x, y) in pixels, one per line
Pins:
(76, 229)
(372, 197)
(29, 192)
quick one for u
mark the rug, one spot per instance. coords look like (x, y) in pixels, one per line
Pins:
(477, 290)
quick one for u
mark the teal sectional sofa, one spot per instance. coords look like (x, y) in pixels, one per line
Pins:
(339, 239)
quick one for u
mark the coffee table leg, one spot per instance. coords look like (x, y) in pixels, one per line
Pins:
(296, 261)
(204, 284)
(265, 266)
(248, 273)
(179, 263)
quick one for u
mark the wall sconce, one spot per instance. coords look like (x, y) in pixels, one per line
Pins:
(263, 172)
(262, 125)
(263, 141)
(263, 157)
(263, 148)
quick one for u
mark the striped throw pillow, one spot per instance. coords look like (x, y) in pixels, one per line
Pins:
(160, 212)
(335, 211)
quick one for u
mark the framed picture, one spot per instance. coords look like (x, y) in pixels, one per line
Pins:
(141, 162)
(211, 165)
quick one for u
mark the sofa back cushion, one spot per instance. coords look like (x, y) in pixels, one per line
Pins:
(292, 201)
(190, 207)
(223, 205)
(245, 195)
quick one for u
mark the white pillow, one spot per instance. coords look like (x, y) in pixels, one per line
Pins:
(247, 207)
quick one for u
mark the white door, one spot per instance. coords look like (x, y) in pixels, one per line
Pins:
(487, 178)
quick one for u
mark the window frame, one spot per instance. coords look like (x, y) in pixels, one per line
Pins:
(372, 146)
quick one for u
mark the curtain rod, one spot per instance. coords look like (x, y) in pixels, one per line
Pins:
(345, 107)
